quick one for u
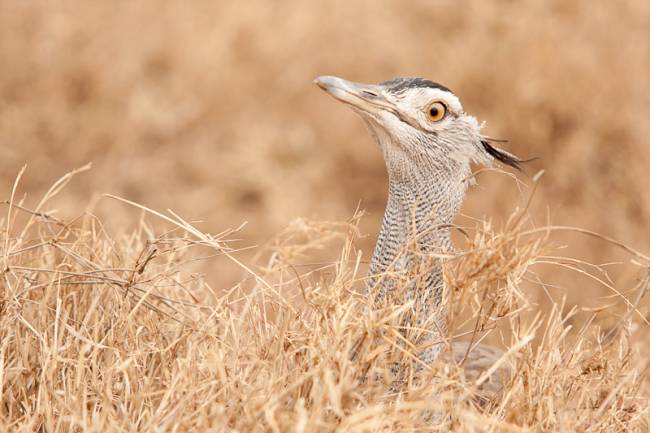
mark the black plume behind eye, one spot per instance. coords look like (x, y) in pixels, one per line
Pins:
(502, 155)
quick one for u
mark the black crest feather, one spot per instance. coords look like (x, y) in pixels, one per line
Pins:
(502, 155)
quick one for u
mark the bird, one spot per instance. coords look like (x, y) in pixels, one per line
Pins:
(428, 144)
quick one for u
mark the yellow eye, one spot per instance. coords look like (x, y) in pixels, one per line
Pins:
(436, 111)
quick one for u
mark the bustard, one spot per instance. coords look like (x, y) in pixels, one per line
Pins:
(428, 143)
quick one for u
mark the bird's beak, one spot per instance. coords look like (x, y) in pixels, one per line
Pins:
(365, 97)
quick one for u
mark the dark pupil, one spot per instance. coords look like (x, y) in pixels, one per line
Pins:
(434, 111)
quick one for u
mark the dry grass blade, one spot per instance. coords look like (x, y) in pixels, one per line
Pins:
(120, 334)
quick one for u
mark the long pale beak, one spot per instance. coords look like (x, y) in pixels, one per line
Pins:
(365, 97)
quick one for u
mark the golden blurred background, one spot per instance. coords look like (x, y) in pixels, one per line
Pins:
(208, 108)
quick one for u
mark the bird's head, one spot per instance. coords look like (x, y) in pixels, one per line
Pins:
(418, 123)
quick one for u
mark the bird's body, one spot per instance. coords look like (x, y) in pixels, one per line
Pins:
(428, 143)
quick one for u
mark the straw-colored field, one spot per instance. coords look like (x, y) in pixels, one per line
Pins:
(123, 317)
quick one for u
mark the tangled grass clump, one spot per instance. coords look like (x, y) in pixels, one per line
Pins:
(107, 334)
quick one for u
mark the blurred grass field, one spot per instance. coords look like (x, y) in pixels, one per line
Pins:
(208, 108)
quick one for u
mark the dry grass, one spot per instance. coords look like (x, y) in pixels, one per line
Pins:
(104, 334)
(210, 109)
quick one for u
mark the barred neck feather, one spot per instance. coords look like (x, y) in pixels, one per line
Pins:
(415, 232)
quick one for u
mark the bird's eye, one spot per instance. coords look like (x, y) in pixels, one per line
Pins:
(436, 111)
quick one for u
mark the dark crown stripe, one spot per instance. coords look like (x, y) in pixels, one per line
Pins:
(397, 85)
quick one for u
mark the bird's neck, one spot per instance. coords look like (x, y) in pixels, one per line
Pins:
(415, 231)
(419, 213)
